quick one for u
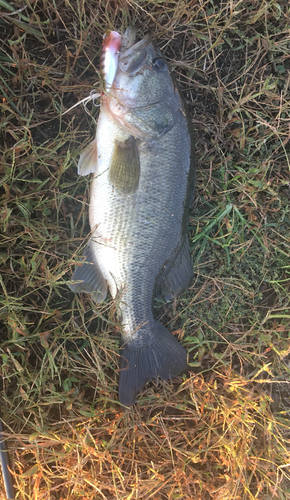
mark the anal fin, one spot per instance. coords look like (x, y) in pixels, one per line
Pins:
(90, 277)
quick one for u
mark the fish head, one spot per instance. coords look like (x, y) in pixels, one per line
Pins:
(142, 76)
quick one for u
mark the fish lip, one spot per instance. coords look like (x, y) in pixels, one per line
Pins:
(142, 44)
(133, 59)
(128, 38)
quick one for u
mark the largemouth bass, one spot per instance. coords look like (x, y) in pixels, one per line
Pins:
(141, 190)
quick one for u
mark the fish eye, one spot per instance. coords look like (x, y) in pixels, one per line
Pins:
(158, 63)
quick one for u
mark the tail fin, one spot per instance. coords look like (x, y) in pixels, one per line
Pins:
(163, 356)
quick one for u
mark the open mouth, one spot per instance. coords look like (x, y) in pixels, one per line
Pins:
(132, 55)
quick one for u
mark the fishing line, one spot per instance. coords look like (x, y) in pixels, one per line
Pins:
(7, 477)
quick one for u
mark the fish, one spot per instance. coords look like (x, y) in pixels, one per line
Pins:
(142, 160)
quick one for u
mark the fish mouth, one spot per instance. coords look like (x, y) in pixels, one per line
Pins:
(129, 38)
(132, 55)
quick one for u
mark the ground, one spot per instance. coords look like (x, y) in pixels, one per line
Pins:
(222, 432)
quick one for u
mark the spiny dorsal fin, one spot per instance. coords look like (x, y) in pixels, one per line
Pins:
(124, 170)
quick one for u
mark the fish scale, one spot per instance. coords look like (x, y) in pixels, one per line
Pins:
(140, 195)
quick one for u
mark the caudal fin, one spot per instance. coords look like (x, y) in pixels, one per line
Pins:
(162, 356)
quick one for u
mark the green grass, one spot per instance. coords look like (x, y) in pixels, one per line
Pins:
(222, 433)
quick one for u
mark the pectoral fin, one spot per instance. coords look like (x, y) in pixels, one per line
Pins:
(124, 170)
(88, 159)
(90, 277)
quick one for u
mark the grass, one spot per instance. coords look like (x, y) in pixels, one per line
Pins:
(222, 433)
